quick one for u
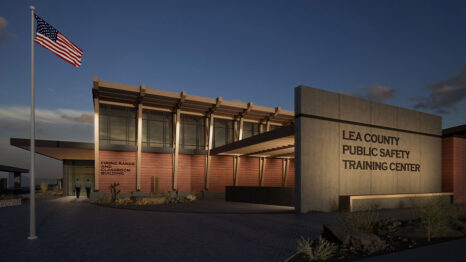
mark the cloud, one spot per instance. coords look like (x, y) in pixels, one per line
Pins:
(373, 92)
(57, 116)
(83, 118)
(4, 35)
(3, 22)
(444, 95)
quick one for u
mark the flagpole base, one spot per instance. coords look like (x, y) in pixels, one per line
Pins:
(32, 237)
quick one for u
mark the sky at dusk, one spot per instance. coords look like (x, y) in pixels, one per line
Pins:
(404, 53)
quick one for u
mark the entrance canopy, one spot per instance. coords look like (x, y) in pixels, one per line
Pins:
(11, 169)
(278, 143)
(58, 149)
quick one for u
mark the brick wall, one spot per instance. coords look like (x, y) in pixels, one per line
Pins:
(248, 171)
(221, 173)
(290, 177)
(159, 165)
(273, 173)
(128, 180)
(191, 172)
(459, 169)
(447, 164)
(454, 167)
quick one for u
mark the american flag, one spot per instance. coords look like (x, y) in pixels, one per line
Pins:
(49, 37)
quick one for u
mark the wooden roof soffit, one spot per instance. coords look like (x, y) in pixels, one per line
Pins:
(95, 87)
(269, 150)
(244, 112)
(182, 99)
(273, 115)
(142, 93)
(218, 103)
(247, 110)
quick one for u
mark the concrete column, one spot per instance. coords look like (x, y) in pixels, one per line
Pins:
(177, 149)
(139, 145)
(96, 145)
(211, 134)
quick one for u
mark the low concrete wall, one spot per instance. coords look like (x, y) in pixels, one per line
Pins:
(361, 203)
(10, 202)
(281, 196)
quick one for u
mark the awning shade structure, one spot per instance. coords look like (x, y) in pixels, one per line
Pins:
(168, 101)
(278, 143)
(58, 149)
(12, 169)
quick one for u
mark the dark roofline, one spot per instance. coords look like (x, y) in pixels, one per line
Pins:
(456, 131)
(13, 169)
(24, 142)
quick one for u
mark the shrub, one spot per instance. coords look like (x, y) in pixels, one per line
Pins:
(115, 191)
(104, 201)
(158, 200)
(142, 201)
(434, 215)
(364, 220)
(316, 250)
(44, 187)
(150, 201)
(10, 196)
(123, 201)
(191, 197)
(156, 185)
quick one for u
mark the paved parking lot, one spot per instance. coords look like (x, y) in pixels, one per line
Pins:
(80, 231)
(72, 230)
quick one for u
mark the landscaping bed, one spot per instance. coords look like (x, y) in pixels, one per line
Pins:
(9, 200)
(361, 234)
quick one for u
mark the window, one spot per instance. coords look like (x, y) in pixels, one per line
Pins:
(192, 132)
(272, 127)
(223, 132)
(250, 129)
(157, 129)
(117, 125)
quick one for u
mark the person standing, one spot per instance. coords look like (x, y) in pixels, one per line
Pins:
(77, 187)
(88, 188)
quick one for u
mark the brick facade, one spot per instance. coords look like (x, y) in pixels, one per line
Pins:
(454, 167)
(127, 180)
(191, 172)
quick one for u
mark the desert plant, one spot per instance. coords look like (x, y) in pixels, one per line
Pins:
(150, 201)
(10, 196)
(434, 215)
(364, 220)
(191, 197)
(316, 250)
(158, 200)
(156, 185)
(142, 201)
(123, 201)
(104, 201)
(44, 187)
(115, 191)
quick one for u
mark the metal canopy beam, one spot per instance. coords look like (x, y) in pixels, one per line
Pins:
(276, 142)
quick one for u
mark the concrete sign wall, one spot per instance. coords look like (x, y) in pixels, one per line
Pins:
(351, 146)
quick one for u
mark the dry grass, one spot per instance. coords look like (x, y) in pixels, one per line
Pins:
(316, 250)
(364, 220)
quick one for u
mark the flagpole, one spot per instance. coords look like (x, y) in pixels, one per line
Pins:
(32, 196)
